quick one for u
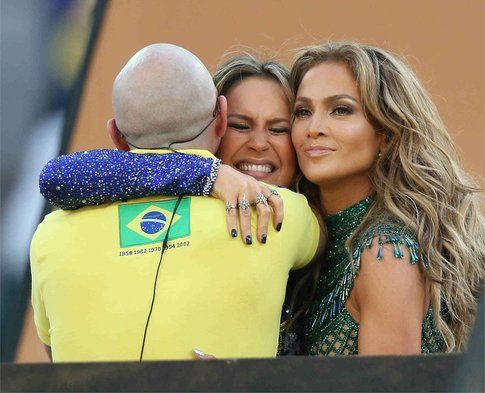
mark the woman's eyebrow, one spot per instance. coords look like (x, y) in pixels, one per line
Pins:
(337, 97)
(278, 120)
(302, 99)
(328, 99)
(239, 116)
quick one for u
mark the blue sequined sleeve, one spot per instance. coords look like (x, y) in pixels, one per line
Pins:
(99, 176)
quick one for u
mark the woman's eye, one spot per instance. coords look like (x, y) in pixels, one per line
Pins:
(280, 130)
(341, 111)
(301, 112)
(239, 126)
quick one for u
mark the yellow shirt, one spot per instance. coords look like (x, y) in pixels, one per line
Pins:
(93, 272)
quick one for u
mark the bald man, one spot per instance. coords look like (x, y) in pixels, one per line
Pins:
(164, 95)
(156, 277)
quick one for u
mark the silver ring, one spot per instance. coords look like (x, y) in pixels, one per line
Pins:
(244, 204)
(229, 207)
(273, 192)
(260, 198)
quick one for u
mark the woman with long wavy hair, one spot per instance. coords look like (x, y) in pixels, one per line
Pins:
(406, 250)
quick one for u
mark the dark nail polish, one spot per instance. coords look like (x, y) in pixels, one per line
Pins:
(233, 233)
(249, 239)
(278, 227)
(263, 238)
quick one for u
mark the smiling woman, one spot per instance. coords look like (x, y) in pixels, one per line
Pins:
(404, 261)
(335, 141)
(257, 141)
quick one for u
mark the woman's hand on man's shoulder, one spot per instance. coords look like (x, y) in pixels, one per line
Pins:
(241, 193)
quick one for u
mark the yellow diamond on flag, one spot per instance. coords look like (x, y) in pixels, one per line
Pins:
(152, 222)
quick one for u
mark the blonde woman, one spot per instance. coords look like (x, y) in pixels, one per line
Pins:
(405, 256)
(398, 276)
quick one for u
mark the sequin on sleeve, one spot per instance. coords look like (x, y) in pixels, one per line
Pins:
(99, 176)
(393, 234)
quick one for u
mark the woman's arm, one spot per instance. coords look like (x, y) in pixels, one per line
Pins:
(99, 176)
(389, 298)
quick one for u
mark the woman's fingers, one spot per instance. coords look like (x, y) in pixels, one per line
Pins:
(264, 213)
(244, 207)
(241, 193)
(231, 217)
(276, 203)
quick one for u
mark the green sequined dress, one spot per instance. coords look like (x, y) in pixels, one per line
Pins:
(330, 329)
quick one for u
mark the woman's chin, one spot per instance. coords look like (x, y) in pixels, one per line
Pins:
(318, 179)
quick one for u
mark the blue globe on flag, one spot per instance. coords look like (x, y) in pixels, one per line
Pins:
(153, 222)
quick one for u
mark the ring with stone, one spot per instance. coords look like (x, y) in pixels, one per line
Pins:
(273, 192)
(260, 198)
(229, 207)
(244, 204)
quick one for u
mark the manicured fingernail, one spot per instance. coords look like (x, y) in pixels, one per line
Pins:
(278, 227)
(249, 239)
(263, 238)
(234, 233)
(198, 352)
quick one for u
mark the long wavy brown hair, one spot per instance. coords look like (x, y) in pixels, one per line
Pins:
(418, 179)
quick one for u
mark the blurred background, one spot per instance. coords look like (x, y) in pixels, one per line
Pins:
(59, 59)
(42, 47)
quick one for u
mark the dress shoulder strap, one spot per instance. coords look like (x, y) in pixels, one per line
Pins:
(388, 232)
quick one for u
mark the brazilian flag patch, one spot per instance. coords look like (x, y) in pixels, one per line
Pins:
(147, 222)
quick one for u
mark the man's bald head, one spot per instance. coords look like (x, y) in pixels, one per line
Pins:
(164, 94)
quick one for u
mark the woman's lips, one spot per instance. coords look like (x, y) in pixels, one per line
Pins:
(318, 151)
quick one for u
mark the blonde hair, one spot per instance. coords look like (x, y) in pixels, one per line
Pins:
(417, 179)
(245, 65)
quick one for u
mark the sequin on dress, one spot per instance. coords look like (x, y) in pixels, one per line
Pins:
(330, 329)
(98, 176)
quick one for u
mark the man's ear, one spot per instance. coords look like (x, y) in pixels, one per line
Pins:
(116, 136)
(221, 122)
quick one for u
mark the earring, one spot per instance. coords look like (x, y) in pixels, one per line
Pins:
(379, 155)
